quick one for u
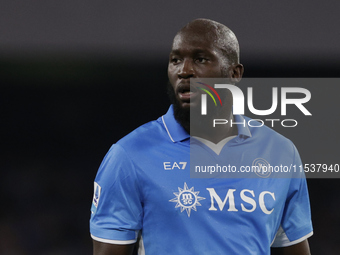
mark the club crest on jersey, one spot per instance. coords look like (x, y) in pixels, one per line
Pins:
(187, 199)
(96, 196)
(261, 167)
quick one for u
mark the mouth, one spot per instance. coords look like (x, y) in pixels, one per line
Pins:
(186, 92)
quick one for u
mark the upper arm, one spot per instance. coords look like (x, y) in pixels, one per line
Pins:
(296, 225)
(301, 248)
(116, 212)
(100, 248)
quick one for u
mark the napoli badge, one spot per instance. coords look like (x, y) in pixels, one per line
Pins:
(261, 168)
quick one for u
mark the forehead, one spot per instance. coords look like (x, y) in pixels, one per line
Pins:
(190, 41)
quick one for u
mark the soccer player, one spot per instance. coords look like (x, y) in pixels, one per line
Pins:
(144, 196)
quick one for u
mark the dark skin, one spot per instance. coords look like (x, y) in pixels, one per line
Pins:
(115, 249)
(100, 248)
(194, 56)
(297, 249)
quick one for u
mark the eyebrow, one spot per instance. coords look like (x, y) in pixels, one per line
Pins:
(195, 51)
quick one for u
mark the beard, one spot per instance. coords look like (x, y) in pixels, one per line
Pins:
(191, 119)
(182, 115)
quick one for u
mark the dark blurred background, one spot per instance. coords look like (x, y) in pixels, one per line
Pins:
(76, 76)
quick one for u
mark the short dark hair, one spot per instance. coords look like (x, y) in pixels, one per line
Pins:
(226, 39)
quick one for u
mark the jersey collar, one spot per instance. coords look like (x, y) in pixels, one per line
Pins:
(177, 133)
(242, 127)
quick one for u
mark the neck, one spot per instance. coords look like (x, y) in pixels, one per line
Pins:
(203, 126)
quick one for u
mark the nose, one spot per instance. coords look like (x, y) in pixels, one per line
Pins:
(187, 70)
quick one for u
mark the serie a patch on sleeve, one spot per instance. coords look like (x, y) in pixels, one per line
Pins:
(96, 197)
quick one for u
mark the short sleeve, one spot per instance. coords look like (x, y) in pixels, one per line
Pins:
(296, 223)
(116, 212)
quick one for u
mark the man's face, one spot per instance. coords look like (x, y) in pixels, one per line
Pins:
(193, 55)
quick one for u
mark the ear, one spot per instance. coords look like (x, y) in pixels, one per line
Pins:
(236, 73)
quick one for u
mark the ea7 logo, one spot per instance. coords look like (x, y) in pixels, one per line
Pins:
(173, 165)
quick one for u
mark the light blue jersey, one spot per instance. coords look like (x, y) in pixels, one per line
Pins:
(143, 188)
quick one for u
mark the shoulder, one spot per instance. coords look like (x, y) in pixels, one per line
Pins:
(121, 157)
(146, 136)
(266, 134)
(273, 143)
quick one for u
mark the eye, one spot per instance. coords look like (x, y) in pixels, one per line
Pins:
(201, 60)
(175, 60)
